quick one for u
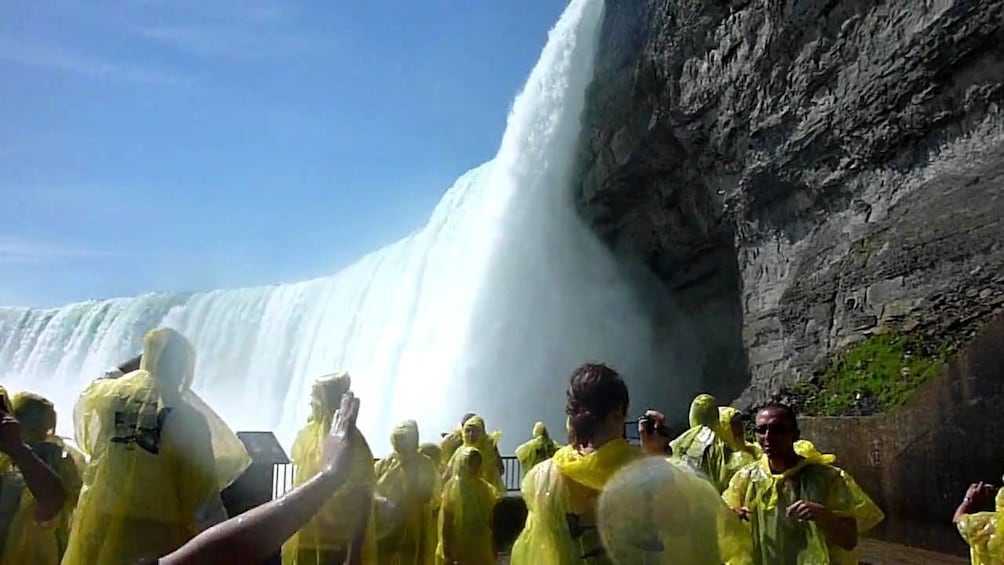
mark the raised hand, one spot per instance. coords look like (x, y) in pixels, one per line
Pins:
(335, 458)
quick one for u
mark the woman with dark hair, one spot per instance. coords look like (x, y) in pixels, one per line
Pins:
(561, 493)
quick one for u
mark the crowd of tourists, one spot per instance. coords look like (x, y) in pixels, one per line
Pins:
(142, 481)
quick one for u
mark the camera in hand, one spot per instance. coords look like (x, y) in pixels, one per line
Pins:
(651, 427)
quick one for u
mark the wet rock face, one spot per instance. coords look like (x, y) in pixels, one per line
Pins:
(802, 173)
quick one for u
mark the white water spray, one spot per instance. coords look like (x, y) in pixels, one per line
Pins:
(487, 308)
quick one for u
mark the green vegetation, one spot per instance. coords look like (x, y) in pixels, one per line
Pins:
(871, 377)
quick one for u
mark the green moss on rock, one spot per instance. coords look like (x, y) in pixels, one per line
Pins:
(872, 376)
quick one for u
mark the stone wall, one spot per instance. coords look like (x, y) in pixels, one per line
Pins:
(917, 461)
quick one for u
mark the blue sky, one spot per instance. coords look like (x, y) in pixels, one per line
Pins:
(187, 145)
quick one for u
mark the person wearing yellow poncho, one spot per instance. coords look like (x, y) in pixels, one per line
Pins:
(345, 528)
(800, 510)
(475, 436)
(867, 514)
(561, 493)
(452, 441)
(408, 480)
(540, 448)
(431, 532)
(159, 459)
(27, 541)
(465, 519)
(982, 531)
(703, 447)
(738, 452)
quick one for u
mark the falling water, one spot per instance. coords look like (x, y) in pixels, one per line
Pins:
(486, 308)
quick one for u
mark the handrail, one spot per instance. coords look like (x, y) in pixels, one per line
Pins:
(283, 473)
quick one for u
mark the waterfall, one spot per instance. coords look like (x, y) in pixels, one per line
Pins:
(487, 308)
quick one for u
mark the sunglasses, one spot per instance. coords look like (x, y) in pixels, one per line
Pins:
(776, 429)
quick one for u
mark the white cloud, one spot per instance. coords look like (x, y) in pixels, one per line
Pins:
(50, 56)
(19, 251)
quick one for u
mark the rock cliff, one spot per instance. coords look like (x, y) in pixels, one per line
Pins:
(802, 173)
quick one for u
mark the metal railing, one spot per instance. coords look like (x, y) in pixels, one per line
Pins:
(283, 473)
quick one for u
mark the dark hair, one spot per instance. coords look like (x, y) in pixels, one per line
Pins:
(130, 365)
(594, 392)
(787, 411)
(466, 417)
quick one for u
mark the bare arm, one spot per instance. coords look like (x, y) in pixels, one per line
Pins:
(974, 493)
(42, 481)
(256, 534)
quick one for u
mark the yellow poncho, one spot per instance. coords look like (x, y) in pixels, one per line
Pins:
(408, 480)
(540, 448)
(27, 541)
(331, 530)
(984, 532)
(431, 534)
(465, 519)
(157, 455)
(701, 447)
(486, 445)
(776, 538)
(561, 496)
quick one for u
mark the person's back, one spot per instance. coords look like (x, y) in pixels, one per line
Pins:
(141, 494)
(561, 493)
(152, 465)
(701, 447)
(540, 448)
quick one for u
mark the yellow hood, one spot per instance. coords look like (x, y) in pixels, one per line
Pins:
(432, 451)
(539, 430)
(704, 411)
(326, 394)
(593, 470)
(404, 438)
(156, 343)
(807, 450)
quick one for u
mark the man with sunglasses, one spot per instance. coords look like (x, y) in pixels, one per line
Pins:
(799, 509)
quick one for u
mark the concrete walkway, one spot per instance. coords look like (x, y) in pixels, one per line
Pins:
(874, 552)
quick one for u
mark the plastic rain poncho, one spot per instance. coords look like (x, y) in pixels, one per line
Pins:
(465, 519)
(540, 448)
(984, 532)
(657, 512)
(408, 480)
(866, 512)
(331, 530)
(700, 447)
(29, 542)
(561, 496)
(431, 531)
(158, 458)
(738, 452)
(776, 538)
(487, 446)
